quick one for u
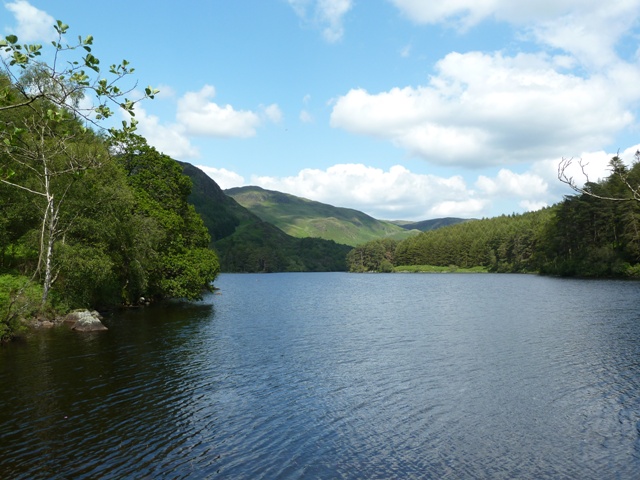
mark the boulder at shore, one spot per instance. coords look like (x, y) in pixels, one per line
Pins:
(84, 321)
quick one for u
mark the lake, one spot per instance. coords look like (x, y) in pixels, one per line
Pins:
(336, 375)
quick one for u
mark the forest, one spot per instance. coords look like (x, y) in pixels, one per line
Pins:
(594, 233)
(92, 216)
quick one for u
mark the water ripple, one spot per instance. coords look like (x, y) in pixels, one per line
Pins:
(338, 376)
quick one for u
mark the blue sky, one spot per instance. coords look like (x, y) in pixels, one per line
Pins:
(403, 109)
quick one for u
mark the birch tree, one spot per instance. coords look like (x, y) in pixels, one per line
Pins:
(49, 110)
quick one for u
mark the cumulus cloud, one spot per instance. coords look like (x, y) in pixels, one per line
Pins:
(223, 177)
(33, 25)
(494, 109)
(528, 185)
(587, 28)
(326, 14)
(471, 12)
(387, 193)
(165, 92)
(202, 117)
(398, 193)
(198, 116)
(169, 139)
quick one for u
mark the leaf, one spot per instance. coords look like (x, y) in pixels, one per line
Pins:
(12, 39)
(61, 27)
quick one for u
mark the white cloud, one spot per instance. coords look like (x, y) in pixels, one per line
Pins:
(471, 208)
(305, 117)
(484, 109)
(589, 29)
(202, 117)
(463, 12)
(528, 185)
(273, 113)
(33, 24)
(223, 177)
(471, 12)
(399, 194)
(393, 194)
(197, 116)
(166, 92)
(331, 13)
(170, 139)
(300, 6)
(326, 14)
(531, 206)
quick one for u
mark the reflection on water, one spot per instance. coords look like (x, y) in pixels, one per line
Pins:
(338, 376)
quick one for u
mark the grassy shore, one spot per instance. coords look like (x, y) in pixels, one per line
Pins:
(434, 269)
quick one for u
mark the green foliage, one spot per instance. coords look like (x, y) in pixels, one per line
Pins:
(222, 219)
(92, 229)
(75, 73)
(19, 299)
(503, 244)
(595, 234)
(247, 244)
(434, 269)
(375, 256)
(185, 266)
(426, 225)
(188, 273)
(304, 218)
(87, 277)
(261, 247)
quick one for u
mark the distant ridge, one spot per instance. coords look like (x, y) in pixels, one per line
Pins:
(426, 225)
(302, 218)
(245, 243)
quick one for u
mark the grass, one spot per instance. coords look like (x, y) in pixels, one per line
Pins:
(436, 269)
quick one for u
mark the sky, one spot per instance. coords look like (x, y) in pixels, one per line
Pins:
(403, 109)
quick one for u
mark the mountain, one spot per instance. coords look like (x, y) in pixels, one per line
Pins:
(245, 243)
(302, 218)
(427, 225)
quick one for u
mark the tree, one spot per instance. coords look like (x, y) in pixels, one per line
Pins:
(65, 82)
(627, 179)
(183, 265)
(46, 146)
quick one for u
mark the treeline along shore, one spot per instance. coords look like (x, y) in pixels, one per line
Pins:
(595, 233)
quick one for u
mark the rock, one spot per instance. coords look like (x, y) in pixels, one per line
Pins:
(84, 321)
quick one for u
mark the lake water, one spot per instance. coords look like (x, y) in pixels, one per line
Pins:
(335, 375)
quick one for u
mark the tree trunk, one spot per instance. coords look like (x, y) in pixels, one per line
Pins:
(51, 220)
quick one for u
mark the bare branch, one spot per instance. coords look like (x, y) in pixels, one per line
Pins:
(565, 178)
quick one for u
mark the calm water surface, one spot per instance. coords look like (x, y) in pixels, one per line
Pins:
(338, 376)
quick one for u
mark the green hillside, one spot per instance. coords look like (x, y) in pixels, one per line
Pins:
(245, 243)
(426, 225)
(304, 218)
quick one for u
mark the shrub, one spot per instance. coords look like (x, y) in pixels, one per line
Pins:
(19, 299)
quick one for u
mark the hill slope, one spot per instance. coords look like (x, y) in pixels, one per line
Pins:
(245, 243)
(304, 218)
(426, 225)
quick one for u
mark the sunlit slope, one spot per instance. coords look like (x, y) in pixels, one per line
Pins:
(245, 243)
(302, 218)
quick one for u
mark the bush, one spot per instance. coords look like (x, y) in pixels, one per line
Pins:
(19, 299)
